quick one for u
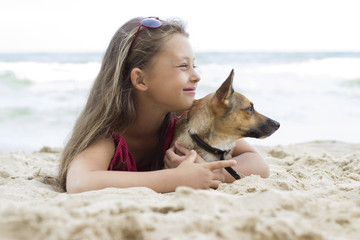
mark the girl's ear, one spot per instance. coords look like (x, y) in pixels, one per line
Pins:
(137, 79)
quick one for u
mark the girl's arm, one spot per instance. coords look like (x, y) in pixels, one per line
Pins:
(88, 171)
(248, 160)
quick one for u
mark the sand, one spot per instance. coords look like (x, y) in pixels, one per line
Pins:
(313, 193)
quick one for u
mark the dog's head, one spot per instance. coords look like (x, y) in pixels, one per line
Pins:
(235, 115)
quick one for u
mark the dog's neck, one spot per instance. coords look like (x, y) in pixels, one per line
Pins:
(201, 121)
(215, 151)
(205, 146)
(206, 130)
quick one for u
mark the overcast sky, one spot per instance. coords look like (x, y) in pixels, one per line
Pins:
(230, 25)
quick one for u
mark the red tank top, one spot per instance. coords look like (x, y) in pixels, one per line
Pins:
(123, 159)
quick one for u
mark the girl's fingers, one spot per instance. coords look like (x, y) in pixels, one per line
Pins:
(182, 149)
(171, 153)
(215, 184)
(192, 156)
(221, 164)
(218, 175)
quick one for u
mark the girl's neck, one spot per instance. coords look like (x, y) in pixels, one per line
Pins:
(147, 124)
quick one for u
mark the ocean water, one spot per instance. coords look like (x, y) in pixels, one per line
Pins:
(314, 95)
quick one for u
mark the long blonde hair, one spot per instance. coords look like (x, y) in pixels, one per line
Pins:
(110, 105)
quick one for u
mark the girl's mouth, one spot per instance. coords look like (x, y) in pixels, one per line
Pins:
(189, 90)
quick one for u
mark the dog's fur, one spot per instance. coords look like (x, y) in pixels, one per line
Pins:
(221, 118)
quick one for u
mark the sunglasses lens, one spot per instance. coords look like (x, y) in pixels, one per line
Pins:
(151, 22)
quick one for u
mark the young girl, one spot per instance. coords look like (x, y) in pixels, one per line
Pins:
(122, 136)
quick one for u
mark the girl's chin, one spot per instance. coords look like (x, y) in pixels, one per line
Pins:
(185, 107)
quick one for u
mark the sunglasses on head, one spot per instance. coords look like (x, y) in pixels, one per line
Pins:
(149, 22)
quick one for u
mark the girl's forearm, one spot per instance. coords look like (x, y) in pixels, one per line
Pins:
(160, 181)
(249, 163)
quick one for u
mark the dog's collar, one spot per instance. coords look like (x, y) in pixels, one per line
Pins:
(222, 153)
(201, 143)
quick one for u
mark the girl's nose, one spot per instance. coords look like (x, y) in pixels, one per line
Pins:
(195, 77)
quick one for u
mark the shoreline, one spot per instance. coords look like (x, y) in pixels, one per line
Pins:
(312, 193)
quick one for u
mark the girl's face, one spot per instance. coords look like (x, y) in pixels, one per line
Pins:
(171, 77)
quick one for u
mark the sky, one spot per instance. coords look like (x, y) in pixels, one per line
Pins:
(213, 25)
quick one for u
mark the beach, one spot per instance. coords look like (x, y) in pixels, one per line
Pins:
(313, 192)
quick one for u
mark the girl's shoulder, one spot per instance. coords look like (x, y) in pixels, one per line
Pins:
(104, 145)
(97, 156)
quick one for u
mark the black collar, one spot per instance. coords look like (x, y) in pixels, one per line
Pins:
(202, 144)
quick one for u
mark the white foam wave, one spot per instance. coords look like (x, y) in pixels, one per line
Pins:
(309, 77)
(345, 68)
(38, 72)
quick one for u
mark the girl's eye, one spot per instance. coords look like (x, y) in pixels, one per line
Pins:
(184, 65)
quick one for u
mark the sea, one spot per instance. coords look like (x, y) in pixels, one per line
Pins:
(314, 95)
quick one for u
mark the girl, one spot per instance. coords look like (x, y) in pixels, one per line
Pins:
(121, 136)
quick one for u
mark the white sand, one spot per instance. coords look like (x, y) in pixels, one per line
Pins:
(313, 193)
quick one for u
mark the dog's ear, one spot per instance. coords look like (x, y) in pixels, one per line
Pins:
(226, 89)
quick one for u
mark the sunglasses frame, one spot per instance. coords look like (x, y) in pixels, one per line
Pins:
(143, 22)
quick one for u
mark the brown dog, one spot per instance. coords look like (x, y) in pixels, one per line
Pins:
(216, 121)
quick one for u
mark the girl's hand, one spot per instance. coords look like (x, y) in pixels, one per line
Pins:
(203, 175)
(172, 160)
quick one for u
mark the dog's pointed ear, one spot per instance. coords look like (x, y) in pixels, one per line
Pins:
(226, 89)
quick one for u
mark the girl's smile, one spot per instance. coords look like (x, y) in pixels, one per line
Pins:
(190, 90)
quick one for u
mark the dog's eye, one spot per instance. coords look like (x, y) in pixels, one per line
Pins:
(250, 109)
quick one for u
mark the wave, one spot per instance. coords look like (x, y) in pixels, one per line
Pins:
(40, 72)
(44, 68)
(330, 67)
(255, 58)
(15, 112)
(345, 68)
(9, 78)
(306, 75)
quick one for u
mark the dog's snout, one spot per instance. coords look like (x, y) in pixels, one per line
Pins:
(276, 124)
(273, 124)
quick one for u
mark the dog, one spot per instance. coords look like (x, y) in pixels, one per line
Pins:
(216, 121)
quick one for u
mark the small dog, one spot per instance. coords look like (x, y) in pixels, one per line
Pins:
(216, 121)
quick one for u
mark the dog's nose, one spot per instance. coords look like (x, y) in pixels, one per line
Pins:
(276, 124)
